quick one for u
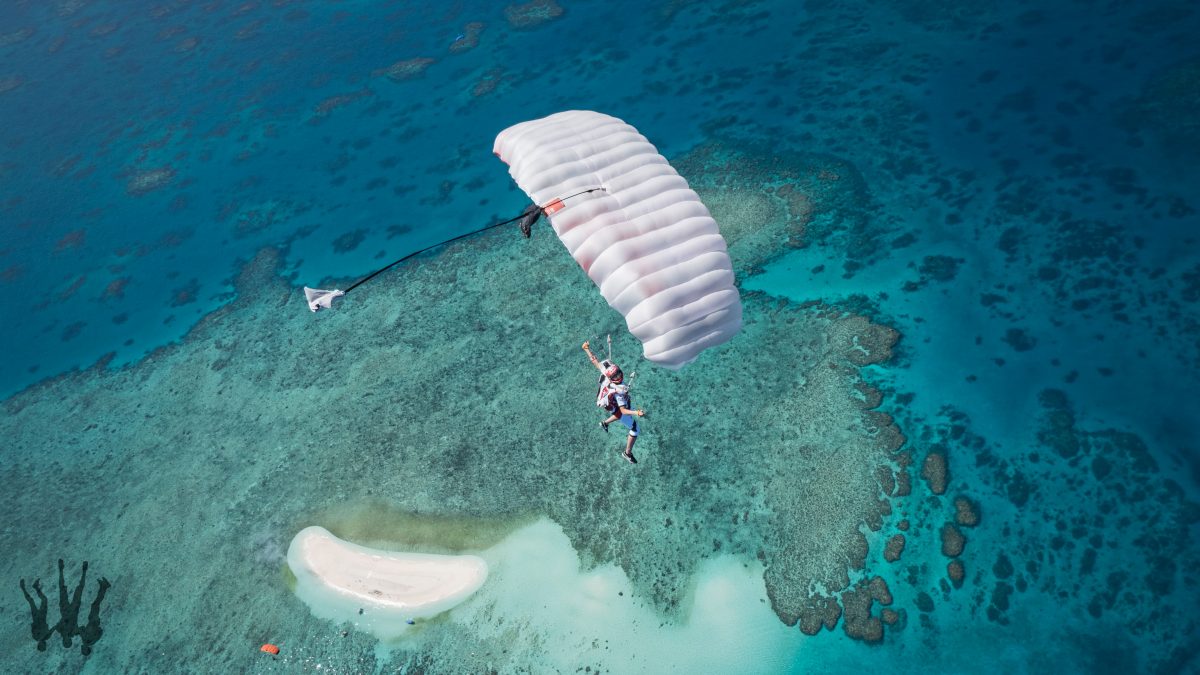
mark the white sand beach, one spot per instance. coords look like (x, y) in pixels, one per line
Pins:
(379, 590)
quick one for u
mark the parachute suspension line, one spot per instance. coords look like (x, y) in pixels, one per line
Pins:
(390, 265)
(598, 188)
(632, 375)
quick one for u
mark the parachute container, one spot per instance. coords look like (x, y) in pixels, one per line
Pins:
(646, 240)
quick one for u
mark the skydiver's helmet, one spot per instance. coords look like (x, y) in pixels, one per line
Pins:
(611, 371)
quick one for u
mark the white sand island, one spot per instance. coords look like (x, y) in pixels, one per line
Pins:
(378, 590)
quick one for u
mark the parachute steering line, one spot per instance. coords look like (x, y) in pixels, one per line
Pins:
(318, 298)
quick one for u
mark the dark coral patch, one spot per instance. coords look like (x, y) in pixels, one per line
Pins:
(72, 239)
(142, 182)
(469, 39)
(935, 471)
(72, 331)
(966, 512)
(940, 268)
(859, 622)
(407, 69)
(186, 294)
(1019, 339)
(349, 241)
(532, 14)
(953, 541)
(816, 612)
(956, 572)
(11, 83)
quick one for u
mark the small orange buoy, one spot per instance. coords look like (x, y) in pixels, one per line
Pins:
(271, 649)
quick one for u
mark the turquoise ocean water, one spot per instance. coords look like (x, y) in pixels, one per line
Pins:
(955, 434)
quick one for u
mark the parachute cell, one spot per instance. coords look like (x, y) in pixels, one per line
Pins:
(646, 240)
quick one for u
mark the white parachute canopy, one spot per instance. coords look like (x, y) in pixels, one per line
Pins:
(645, 239)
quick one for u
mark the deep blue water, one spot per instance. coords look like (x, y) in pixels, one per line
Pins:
(1028, 223)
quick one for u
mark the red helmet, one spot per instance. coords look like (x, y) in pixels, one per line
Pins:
(612, 371)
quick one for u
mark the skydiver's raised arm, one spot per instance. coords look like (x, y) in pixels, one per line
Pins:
(592, 357)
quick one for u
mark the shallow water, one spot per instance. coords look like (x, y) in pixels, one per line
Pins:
(997, 204)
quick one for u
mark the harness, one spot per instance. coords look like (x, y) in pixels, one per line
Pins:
(607, 392)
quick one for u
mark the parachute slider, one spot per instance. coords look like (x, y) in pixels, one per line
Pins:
(528, 217)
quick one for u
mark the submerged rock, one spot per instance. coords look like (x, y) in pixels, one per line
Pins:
(895, 547)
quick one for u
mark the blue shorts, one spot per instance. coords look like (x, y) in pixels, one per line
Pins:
(630, 423)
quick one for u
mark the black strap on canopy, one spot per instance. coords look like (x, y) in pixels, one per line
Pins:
(390, 265)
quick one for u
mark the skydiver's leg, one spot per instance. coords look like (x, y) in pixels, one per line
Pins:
(628, 421)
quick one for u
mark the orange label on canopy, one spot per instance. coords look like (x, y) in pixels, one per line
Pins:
(553, 207)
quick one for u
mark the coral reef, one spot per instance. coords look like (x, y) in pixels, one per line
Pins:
(143, 182)
(782, 188)
(953, 540)
(469, 39)
(1165, 107)
(532, 14)
(816, 612)
(934, 471)
(407, 69)
(956, 572)
(10, 83)
(966, 512)
(859, 622)
(247, 372)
